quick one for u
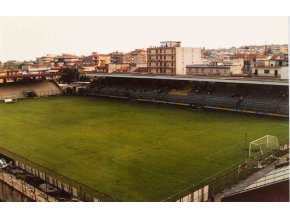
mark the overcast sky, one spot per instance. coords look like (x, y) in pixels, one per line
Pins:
(24, 38)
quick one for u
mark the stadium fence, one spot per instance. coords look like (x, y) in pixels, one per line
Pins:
(204, 191)
(47, 93)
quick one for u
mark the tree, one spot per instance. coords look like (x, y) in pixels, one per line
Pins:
(84, 78)
(70, 75)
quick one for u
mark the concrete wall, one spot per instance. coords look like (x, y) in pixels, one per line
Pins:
(236, 69)
(186, 56)
(9, 194)
(208, 71)
(16, 90)
(197, 196)
(282, 71)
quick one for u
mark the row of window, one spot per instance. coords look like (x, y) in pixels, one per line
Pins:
(266, 72)
(197, 70)
(160, 58)
(161, 51)
(162, 71)
(161, 65)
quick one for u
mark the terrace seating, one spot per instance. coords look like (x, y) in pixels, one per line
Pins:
(19, 90)
(235, 97)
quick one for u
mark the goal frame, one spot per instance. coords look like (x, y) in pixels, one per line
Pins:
(267, 143)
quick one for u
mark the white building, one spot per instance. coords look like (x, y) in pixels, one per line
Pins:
(271, 67)
(171, 58)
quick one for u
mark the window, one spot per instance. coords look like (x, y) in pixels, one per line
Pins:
(256, 72)
(266, 71)
(276, 72)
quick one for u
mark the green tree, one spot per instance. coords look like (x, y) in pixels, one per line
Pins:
(70, 75)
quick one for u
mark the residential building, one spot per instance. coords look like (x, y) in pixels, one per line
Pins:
(170, 58)
(102, 69)
(87, 70)
(139, 56)
(88, 60)
(117, 57)
(35, 69)
(8, 72)
(46, 60)
(2, 73)
(213, 70)
(271, 66)
(101, 60)
(118, 68)
(128, 58)
(67, 60)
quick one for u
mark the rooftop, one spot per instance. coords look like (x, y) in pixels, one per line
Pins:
(239, 80)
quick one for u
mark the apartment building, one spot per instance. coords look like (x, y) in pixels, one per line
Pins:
(213, 70)
(117, 57)
(139, 56)
(46, 60)
(2, 73)
(67, 60)
(271, 67)
(170, 58)
(8, 72)
(35, 69)
(101, 60)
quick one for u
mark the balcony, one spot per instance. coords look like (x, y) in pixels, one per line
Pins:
(163, 53)
(159, 60)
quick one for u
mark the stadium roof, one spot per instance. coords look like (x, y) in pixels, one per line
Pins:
(21, 76)
(240, 80)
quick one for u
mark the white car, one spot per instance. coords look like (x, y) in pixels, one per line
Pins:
(3, 163)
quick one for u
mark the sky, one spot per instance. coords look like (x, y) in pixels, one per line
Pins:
(25, 38)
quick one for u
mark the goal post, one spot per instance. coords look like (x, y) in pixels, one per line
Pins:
(263, 145)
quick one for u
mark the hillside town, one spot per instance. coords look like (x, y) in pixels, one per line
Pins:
(168, 58)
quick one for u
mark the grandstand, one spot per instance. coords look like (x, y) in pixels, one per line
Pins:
(251, 98)
(269, 184)
(29, 88)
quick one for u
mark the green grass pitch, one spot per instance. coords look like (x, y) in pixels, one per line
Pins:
(133, 151)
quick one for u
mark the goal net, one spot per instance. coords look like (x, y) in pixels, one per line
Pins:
(263, 145)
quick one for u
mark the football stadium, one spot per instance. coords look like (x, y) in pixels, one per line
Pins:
(130, 138)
